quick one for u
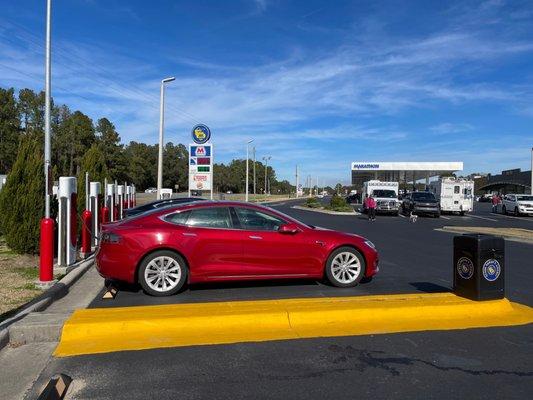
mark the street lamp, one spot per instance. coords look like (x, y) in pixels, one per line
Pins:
(247, 158)
(161, 127)
(46, 254)
(265, 159)
(253, 149)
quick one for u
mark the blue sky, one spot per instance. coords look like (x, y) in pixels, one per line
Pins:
(315, 83)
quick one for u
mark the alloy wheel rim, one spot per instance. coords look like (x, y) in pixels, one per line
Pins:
(346, 267)
(162, 274)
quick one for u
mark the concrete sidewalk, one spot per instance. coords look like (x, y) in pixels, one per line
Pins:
(34, 338)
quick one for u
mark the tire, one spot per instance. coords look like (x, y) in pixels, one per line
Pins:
(339, 258)
(436, 215)
(504, 210)
(516, 212)
(172, 282)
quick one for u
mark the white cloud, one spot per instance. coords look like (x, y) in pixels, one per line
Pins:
(449, 127)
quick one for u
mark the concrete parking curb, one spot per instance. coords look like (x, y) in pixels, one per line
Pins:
(45, 299)
(355, 213)
(91, 331)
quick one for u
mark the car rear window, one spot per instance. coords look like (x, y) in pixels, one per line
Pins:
(178, 217)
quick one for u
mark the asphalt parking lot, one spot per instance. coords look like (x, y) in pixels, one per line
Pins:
(492, 363)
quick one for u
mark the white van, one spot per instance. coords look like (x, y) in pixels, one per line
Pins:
(454, 195)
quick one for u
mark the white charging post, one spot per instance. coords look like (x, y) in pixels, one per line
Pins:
(94, 197)
(110, 201)
(129, 202)
(67, 239)
(120, 201)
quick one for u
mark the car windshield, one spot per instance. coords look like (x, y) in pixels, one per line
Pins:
(390, 194)
(524, 198)
(423, 196)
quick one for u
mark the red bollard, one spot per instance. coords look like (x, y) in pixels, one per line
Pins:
(104, 215)
(46, 256)
(124, 204)
(86, 217)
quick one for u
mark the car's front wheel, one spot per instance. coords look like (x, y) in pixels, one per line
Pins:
(345, 267)
(163, 273)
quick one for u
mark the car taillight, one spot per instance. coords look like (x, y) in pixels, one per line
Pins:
(109, 237)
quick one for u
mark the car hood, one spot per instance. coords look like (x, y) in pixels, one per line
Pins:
(339, 233)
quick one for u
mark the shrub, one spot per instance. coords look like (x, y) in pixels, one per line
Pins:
(338, 203)
(22, 198)
(312, 202)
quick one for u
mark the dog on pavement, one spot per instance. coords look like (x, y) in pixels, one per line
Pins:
(413, 217)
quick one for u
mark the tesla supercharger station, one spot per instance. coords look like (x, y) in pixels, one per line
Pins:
(129, 197)
(110, 201)
(94, 196)
(120, 200)
(67, 221)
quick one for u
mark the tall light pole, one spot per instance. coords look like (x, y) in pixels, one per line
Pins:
(247, 169)
(265, 159)
(253, 149)
(161, 128)
(46, 254)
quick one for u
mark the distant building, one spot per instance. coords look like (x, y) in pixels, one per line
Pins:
(509, 181)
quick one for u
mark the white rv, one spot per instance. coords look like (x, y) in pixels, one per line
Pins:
(385, 194)
(455, 195)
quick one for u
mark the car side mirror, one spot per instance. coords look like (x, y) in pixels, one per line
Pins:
(289, 228)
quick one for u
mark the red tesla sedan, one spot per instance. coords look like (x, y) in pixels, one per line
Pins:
(221, 241)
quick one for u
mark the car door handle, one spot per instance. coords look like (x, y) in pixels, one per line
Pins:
(255, 237)
(189, 234)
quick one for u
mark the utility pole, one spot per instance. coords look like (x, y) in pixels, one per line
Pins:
(247, 169)
(265, 159)
(297, 180)
(317, 185)
(253, 149)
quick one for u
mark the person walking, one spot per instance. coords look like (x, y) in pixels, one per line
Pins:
(495, 202)
(371, 207)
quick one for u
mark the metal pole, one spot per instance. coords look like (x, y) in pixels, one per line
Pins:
(246, 199)
(47, 95)
(86, 190)
(161, 128)
(296, 180)
(254, 170)
(531, 191)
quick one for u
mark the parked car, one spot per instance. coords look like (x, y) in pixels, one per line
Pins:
(222, 241)
(485, 198)
(421, 203)
(151, 190)
(130, 212)
(352, 199)
(517, 204)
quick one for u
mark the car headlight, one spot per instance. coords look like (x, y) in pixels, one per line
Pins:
(370, 244)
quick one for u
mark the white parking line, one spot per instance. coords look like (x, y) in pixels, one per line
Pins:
(480, 217)
(518, 218)
(442, 216)
(401, 215)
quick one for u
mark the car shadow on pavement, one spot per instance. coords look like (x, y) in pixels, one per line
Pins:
(428, 287)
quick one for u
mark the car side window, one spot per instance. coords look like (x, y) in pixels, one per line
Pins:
(210, 217)
(456, 190)
(178, 217)
(255, 220)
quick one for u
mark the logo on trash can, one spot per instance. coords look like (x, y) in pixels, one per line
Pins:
(491, 270)
(465, 268)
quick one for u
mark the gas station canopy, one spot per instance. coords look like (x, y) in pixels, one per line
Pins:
(363, 171)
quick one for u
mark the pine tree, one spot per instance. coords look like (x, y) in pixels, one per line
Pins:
(9, 129)
(22, 198)
(92, 162)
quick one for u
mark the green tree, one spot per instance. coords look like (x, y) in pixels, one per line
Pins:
(109, 138)
(92, 162)
(142, 164)
(9, 129)
(175, 166)
(31, 108)
(22, 198)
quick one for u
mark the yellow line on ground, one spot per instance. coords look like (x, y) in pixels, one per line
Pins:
(102, 330)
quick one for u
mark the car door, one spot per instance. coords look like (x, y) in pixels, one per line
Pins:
(210, 243)
(267, 252)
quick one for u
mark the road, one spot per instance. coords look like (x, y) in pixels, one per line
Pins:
(492, 363)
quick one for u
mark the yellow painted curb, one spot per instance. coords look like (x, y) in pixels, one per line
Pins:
(102, 330)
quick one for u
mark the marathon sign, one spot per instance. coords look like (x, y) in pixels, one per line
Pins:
(365, 166)
(200, 167)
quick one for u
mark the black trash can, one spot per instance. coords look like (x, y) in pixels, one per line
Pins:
(479, 266)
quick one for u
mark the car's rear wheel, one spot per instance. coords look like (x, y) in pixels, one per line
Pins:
(516, 212)
(345, 267)
(163, 273)
(504, 210)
